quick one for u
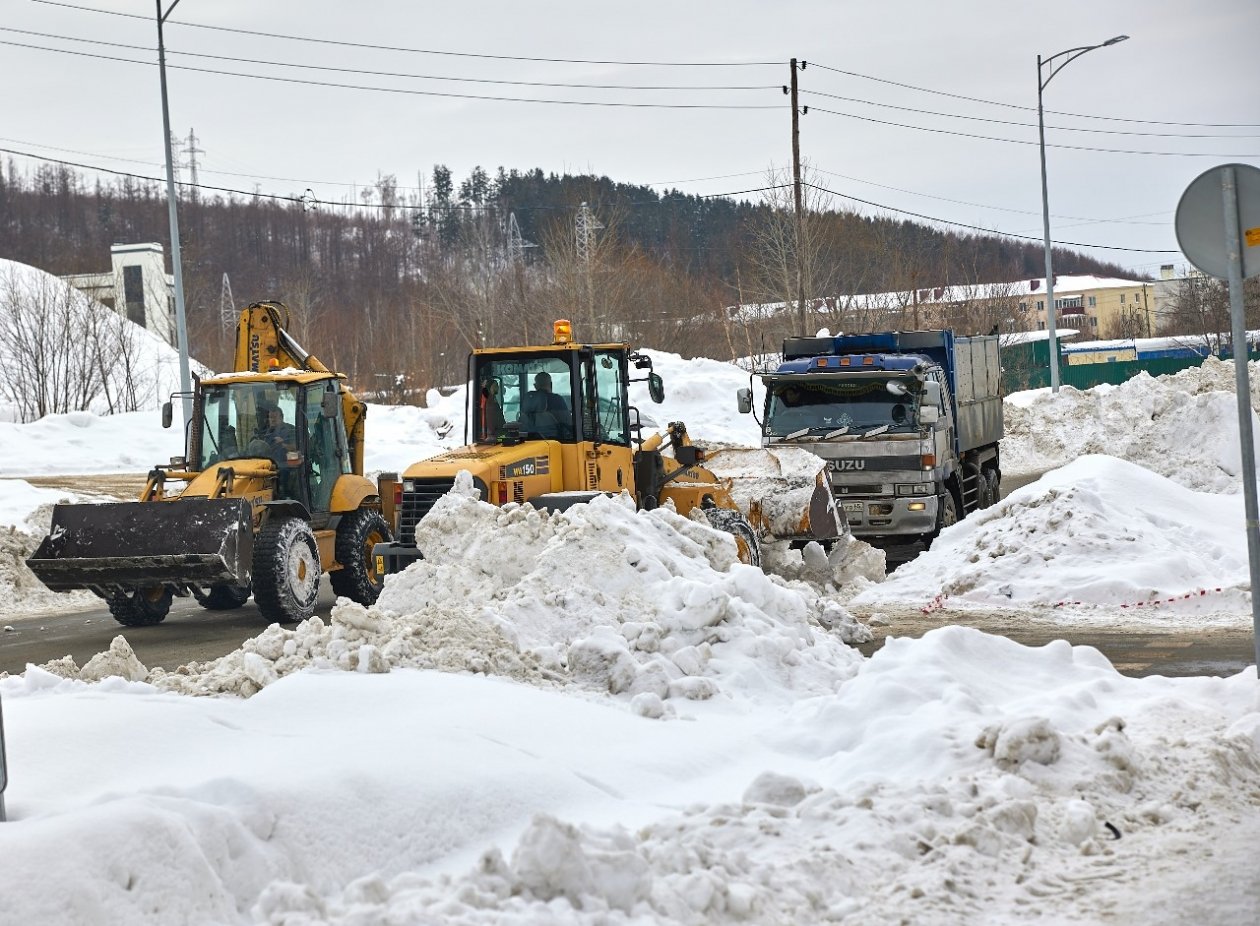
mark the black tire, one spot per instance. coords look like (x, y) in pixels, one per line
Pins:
(358, 579)
(286, 570)
(735, 524)
(984, 490)
(141, 607)
(222, 597)
(947, 513)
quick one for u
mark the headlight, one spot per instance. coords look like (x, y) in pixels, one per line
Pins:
(916, 506)
(912, 488)
(409, 485)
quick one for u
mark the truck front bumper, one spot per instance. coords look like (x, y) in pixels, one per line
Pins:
(890, 516)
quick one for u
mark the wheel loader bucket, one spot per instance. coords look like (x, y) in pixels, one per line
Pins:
(785, 493)
(196, 541)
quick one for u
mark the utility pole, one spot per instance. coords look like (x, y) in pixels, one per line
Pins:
(191, 149)
(181, 324)
(796, 192)
(586, 227)
(227, 305)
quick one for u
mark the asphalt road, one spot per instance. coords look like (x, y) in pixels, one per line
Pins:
(190, 633)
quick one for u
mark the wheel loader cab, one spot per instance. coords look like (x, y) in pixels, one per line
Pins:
(572, 396)
(281, 421)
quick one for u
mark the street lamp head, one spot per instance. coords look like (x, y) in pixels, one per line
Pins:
(1116, 40)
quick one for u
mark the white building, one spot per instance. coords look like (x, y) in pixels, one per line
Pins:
(138, 287)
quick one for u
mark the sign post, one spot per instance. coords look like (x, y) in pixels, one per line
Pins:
(1218, 228)
(4, 769)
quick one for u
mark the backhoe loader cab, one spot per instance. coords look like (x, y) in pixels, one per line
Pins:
(272, 495)
(552, 426)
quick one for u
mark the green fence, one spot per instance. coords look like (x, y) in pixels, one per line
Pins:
(1027, 366)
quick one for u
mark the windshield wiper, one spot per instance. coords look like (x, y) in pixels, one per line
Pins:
(875, 431)
(836, 433)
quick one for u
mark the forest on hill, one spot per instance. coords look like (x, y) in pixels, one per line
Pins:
(397, 287)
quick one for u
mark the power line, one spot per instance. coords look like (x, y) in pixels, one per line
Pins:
(309, 199)
(963, 202)
(1017, 141)
(1030, 109)
(1024, 125)
(323, 67)
(989, 231)
(434, 93)
(420, 51)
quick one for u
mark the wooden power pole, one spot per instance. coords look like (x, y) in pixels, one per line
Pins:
(796, 184)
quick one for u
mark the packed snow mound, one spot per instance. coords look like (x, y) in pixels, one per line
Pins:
(103, 361)
(645, 605)
(1185, 551)
(1038, 762)
(1184, 427)
(25, 517)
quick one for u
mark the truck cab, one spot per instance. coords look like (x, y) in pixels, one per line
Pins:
(908, 422)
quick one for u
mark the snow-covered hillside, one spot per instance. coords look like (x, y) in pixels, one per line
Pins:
(78, 355)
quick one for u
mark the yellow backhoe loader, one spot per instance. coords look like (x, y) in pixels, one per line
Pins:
(552, 426)
(273, 496)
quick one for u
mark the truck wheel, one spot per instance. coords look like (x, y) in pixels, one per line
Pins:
(357, 579)
(286, 570)
(995, 486)
(222, 597)
(141, 607)
(984, 490)
(735, 524)
(948, 513)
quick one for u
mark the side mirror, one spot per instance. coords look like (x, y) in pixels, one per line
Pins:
(896, 387)
(929, 415)
(168, 414)
(744, 397)
(656, 388)
(329, 405)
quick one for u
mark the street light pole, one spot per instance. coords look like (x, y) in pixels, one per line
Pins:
(1042, 63)
(181, 323)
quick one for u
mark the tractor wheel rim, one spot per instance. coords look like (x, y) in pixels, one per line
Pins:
(302, 572)
(372, 540)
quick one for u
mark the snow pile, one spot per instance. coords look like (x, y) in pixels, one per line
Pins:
(958, 778)
(1099, 531)
(121, 366)
(25, 516)
(1184, 427)
(651, 606)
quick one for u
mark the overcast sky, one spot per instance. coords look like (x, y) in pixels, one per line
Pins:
(1184, 84)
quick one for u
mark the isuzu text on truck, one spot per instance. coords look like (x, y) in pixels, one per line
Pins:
(908, 421)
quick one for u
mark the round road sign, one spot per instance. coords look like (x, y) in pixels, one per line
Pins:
(1201, 220)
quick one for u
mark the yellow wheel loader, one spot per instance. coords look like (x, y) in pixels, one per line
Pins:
(273, 496)
(552, 426)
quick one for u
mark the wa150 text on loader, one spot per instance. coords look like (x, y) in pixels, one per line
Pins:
(273, 496)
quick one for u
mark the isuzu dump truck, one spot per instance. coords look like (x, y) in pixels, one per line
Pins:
(909, 423)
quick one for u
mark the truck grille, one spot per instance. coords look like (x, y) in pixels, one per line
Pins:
(416, 504)
(873, 489)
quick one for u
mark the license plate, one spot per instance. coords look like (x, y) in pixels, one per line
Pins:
(852, 507)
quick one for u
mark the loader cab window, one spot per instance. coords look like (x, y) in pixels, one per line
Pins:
(248, 420)
(326, 454)
(604, 412)
(534, 392)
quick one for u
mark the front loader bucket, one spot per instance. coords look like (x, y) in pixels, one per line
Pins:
(196, 541)
(785, 493)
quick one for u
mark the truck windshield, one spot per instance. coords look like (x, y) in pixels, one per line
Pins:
(823, 405)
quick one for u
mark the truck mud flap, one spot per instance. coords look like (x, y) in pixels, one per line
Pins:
(785, 492)
(196, 541)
